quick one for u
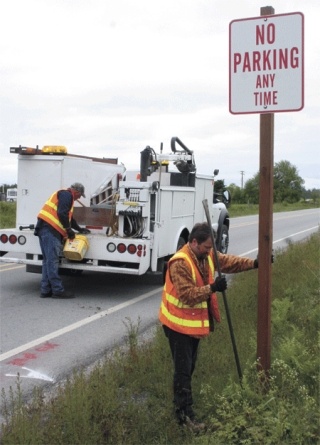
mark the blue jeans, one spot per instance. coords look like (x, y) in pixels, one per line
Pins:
(51, 248)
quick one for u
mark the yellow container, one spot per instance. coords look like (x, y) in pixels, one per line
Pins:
(75, 249)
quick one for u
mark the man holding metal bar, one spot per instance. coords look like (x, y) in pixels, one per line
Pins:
(189, 307)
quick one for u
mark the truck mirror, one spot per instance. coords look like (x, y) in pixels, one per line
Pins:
(226, 197)
(155, 186)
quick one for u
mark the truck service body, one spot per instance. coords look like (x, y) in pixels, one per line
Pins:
(137, 219)
(12, 195)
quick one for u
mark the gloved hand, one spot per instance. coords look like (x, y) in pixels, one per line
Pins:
(256, 262)
(219, 285)
(71, 234)
(84, 231)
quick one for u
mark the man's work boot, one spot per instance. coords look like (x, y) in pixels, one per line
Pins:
(193, 425)
(186, 419)
(63, 295)
(46, 294)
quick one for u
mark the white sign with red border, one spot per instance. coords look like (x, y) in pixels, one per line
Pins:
(266, 64)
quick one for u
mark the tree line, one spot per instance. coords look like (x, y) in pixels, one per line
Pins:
(287, 187)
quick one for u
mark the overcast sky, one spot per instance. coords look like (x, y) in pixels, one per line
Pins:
(107, 77)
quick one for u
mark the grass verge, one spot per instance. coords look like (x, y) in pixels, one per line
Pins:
(128, 399)
(236, 210)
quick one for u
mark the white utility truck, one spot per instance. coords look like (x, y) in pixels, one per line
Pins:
(12, 194)
(137, 219)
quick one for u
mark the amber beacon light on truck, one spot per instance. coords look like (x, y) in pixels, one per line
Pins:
(47, 149)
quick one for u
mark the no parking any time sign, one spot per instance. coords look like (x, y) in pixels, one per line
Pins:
(266, 64)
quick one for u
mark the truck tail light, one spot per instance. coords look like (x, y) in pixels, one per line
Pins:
(13, 239)
(132, 249)
(121, 248)
(139, 249)
(4, 238)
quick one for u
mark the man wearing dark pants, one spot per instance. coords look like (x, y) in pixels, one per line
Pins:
(188, 308)
(184, 350)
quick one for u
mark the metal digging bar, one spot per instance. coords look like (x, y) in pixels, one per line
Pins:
(234, 346)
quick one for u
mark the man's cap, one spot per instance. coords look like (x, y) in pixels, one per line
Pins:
(79, 187)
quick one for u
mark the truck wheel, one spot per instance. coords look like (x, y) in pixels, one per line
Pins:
(181, 243)
(164, 271)
(71, 272)
(223, 239)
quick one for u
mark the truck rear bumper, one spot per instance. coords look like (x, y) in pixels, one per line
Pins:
(77, 266)
(98, 258)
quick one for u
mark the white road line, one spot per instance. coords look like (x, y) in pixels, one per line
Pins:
(281, 239)
(276, 217)
(295, 234)
(78, 324)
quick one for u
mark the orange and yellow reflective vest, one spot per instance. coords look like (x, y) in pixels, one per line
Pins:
(49, 214)
(189, 320)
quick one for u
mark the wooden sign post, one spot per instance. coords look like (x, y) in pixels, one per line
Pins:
(266, 75)
(265, 234)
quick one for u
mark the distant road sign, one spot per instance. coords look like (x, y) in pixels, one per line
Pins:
(266, 64)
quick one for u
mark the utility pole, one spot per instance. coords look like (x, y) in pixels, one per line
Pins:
(242, 174)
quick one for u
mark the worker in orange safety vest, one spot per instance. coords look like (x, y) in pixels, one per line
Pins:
(55, 224)
(189, 307)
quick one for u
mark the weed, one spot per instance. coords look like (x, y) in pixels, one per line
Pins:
(132, 337)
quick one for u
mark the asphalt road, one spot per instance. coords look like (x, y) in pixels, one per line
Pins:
(44, 340)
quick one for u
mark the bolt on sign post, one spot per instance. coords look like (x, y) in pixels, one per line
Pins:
(266, 75)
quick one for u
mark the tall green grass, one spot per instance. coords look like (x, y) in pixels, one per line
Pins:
(7, 214)
(236, 210)
(128, 399)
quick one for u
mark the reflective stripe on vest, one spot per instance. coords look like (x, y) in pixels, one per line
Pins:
(49, 214)
(190, 320)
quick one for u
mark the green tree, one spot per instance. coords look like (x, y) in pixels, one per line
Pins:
(251, 190)
(287, 184)
(237, 194)
(315, 195)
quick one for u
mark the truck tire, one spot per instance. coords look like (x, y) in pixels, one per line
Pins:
(223, 239)
(181, 243)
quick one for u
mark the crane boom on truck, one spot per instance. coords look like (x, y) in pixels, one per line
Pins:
(137, 219)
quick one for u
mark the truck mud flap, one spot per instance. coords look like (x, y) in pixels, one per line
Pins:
(32, 268)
